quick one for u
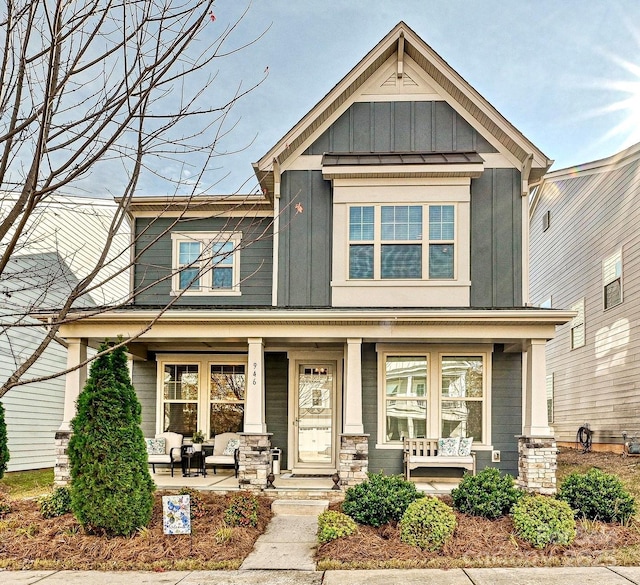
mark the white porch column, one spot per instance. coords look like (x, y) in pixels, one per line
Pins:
(353, 388)
(254, 409)
(74, 380)
(535, 423)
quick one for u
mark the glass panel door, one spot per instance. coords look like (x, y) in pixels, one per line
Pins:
(315, 415)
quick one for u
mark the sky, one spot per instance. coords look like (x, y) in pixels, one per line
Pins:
(566, 73)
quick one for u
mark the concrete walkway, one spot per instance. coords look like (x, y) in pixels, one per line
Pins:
(290, 540)
(538, 576)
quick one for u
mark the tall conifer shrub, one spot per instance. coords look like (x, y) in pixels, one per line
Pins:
(111, 489)
(4, 449)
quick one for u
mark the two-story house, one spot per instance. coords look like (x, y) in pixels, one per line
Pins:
(584, 253)
(376, 290)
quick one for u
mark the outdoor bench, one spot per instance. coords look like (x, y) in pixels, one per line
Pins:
(423, 453)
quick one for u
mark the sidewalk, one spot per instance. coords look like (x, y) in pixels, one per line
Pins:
(536, 576)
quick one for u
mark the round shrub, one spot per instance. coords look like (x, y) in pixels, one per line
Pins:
(597, 495)
(487, 494)
(56, 503)
(542, 520)
(332, 525)
(380, 499)
(427, 523)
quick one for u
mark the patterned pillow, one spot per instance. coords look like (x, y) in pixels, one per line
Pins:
(232, 445)
(155, 446)
(465, 446)
(449, 447)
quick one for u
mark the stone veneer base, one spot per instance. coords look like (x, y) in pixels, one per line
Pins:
(537, 464)
(354, 459)
(254, 462)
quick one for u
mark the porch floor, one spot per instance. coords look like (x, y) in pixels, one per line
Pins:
(286, 485)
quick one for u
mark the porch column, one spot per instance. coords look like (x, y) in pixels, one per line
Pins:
(535, 411)
(353, 389)
(254, 409)
(74, 383)
(537, 450)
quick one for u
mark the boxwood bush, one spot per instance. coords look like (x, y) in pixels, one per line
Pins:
(57, 503)
(427, 523)
(542, 520)
(597, 495)
(488, 494)
(332, 525)
(379, 499)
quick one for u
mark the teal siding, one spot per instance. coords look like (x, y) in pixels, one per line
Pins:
(506, 411)
(276, 389)
(400, 127)
(144, 381)
(305, 240)
(256, 260)
(496, 239)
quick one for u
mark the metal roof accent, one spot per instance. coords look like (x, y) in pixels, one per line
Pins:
(400, 158)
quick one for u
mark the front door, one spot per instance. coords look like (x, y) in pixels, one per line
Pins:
(315, 417)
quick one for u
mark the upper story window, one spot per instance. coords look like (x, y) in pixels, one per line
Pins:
(577, 325)
(206, 263)
(612, 280)
(389, 242)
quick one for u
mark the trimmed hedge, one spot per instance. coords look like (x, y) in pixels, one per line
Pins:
(333, 525)
(488, 494)
(542, 520)
(427, 523)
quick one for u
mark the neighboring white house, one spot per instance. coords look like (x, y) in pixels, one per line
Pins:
(62, 241)
(585, 256)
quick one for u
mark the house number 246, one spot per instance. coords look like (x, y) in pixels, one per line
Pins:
(255, 373)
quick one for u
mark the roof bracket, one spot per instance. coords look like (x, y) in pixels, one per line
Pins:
(400, 71)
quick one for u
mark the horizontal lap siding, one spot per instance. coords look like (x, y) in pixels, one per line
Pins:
(592, 217)
(400, 127)
(144, 380)
(256, 260)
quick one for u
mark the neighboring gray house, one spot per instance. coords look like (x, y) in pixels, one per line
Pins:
(61, 242)
(585, 256)
(376, 289)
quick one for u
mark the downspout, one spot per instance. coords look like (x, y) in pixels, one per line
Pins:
(525, 173)
(276, 231)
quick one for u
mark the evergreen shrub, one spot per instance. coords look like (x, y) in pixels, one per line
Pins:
(488, 494)
(597, 495)
(427, 523)
(379, 499)
(333, 525)
(111, 489)
(541, 520)
(57, 503)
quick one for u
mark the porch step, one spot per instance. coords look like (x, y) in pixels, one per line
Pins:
(299, 507)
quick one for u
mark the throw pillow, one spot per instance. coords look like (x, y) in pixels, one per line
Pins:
(155, 446)
(465, 446)
(232, 445)
(449, 446)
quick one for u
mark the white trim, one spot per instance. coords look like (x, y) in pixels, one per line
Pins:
(203, 262)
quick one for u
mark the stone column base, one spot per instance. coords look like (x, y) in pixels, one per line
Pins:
(354, 459)
(537, 464)
(254, 460)
(61, 471)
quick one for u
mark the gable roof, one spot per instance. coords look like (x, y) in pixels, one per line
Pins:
(450, 85)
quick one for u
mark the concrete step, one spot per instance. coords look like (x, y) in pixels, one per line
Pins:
(299, 507)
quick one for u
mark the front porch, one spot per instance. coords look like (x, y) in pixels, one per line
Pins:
(286, 485)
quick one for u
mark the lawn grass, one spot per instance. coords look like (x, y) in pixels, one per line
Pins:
(28, 484)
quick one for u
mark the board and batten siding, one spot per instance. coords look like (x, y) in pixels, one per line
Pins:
(256, 260)
(432, 126)
(591, 217)
(276, 366)
(304, 276)
(496, 239)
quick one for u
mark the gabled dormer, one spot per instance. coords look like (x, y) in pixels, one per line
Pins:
(411, 186)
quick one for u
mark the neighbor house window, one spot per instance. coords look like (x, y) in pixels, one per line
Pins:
(180, 398)
(227, 384)
(388, 242)
(206, 263)
(612, 280)
(577, 325)
(550, 398)
(433, 394)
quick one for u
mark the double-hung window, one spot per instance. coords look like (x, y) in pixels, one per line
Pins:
(612, 280)
(577, 325)
(206, 263)
(388, 242)
(433, 393)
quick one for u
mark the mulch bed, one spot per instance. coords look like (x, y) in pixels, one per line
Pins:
(28, 541)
